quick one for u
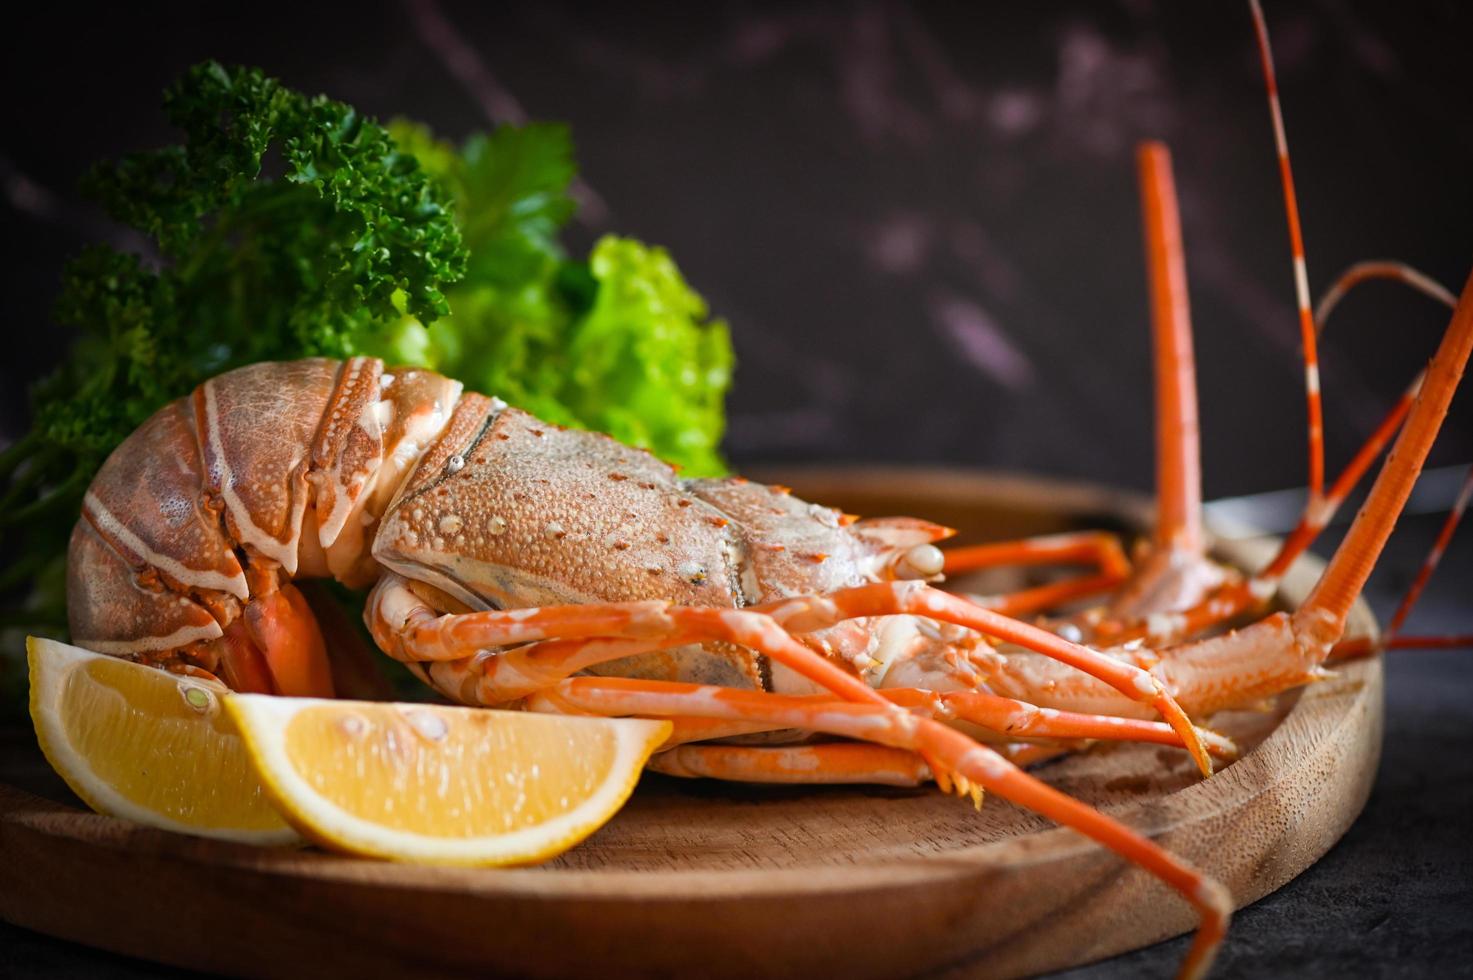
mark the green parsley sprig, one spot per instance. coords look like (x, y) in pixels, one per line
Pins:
(284, 226)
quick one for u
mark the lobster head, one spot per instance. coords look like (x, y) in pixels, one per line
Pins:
(507, 511)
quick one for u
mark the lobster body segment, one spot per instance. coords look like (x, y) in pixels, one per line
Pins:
(263, 473)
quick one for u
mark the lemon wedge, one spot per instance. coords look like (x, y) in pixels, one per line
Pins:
(442, 785)
(146, 745)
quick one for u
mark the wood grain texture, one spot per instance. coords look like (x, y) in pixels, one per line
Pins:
(698, 877)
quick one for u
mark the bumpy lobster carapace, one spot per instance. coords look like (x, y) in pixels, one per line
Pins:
(516, 563)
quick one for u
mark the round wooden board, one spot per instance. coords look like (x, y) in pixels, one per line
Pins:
(712, 879)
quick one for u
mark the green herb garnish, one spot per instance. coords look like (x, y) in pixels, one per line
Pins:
(287, 226)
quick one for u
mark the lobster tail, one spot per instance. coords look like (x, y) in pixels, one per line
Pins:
(194, 526)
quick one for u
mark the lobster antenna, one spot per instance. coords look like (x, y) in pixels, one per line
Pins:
(1301, 276)
(1178, 453)
(1315, 518)
(1330, 601)
(1429, 564)
(1380, 269)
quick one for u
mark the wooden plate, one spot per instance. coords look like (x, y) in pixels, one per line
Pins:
(698, 877)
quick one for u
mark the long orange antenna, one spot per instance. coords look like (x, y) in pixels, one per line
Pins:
(1178, 439)
(1429, 564)
(1325, 609)
(1234, 599)
(1301, 275)
(1380, 269)
(1315, 518)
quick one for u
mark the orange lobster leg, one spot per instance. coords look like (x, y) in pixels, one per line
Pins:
(1168, 579)
(1379, 269)
(966, 762)
(1094, 548)
(524, 671)
(420, 635)
(805, 614)
(1022, 754)
(1019, 719)
(683, 729)
(828, 762)
(1083, 547)
(416, 633)
(1005, 716)
(1174, 572)
(1361, 646)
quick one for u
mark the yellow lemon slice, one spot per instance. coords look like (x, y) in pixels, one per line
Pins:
(139, 743)
(442, 785)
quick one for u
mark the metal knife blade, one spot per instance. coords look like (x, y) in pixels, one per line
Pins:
(1277, 511)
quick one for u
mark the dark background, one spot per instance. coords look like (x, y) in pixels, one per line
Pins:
(921, 223)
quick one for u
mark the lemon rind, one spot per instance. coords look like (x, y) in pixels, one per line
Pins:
(47, 687)
(262, 721)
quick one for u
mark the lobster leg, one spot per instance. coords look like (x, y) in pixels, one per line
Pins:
(1374, 269)
(828, 762)
(1175, 573)
(1094, 548)
(961, 758)
(805, 614)
(410, 630)
(1004, 716)
(524, 671)
(1019, 719)
(416, 633)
